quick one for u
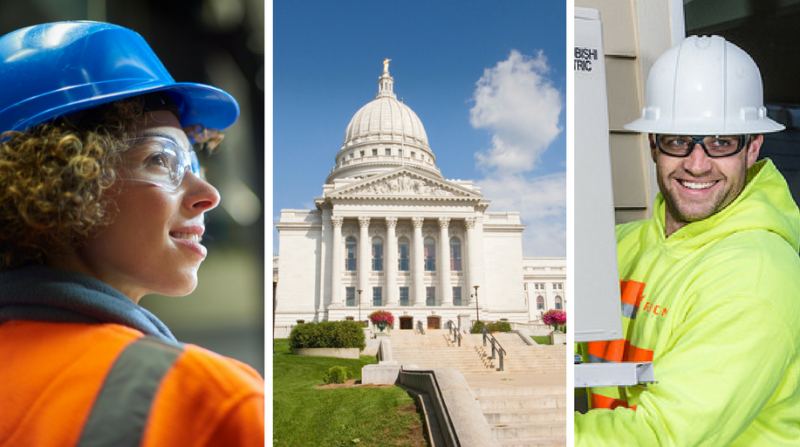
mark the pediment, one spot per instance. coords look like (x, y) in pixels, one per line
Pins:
(404, 183)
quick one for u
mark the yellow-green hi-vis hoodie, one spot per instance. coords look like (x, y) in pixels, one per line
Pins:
(716, 307)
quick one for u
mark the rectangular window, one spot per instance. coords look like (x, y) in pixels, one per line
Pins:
(404, 296)
(399, 152)
(350, 296)
(457, 297)
(413, 154)
(377, 296)
(350, 255)
(374, 152)
(539, 286)
(455, 257)
(402, 261)
(557, 286)
(377, 257)
(388, 152)
(429, 250)
(430, 296)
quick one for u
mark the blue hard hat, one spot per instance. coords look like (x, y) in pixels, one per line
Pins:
(51, 70)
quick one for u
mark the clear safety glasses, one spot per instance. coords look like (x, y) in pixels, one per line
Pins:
(159, 161)
(715, 146)
(162, 161)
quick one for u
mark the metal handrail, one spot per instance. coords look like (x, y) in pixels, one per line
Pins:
(494, 341)
(455, 332)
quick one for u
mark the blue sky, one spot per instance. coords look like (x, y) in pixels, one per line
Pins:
(487, 79)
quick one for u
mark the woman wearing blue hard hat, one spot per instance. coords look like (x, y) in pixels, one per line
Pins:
(101, 202)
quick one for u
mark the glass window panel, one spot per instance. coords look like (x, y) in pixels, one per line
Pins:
(430, 296)
(377, 296)
(430, 254)
(558, 302)
(457, 296)
(455, 254)
(402, 255)
(377, 254)
(540, 303)
(350, 296)
(404, 296)
(350, 254)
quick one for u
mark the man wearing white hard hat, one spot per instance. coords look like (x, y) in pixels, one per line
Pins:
(710, 284)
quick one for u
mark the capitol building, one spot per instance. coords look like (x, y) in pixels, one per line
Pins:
(390, 232)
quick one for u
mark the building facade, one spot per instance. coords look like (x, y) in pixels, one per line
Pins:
(390, 232)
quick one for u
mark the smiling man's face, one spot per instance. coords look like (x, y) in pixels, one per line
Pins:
(698, 186)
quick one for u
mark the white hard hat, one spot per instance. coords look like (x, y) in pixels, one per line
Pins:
(704, 86)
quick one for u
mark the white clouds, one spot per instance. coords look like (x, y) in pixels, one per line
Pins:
(542, 203)
(519, 106)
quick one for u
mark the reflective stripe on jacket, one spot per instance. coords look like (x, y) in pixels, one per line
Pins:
(72, 384)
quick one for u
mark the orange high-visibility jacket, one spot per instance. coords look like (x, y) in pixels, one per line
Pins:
(75, 384)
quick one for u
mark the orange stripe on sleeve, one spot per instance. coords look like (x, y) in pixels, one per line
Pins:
(619, 351)
(631, 292)
(600, 401)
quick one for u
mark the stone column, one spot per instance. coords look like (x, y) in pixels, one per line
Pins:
(364, 261)
(444, 262)
(472, 260)
(390, 259)
(336, 264)
(325, 265)
(418, 263)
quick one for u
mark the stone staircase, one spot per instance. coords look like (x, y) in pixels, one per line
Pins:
(519, 415)
(519, 356)
(435, 349)
(530, 416)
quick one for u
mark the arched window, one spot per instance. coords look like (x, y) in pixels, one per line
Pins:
(350, 254)
(539, 303)
(402, 254)
(430, 254)
(558, 303)
(377, 254)
(455, 254)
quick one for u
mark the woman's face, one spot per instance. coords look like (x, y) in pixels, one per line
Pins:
(152, 245)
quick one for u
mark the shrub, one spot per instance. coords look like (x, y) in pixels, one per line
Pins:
(477, 328)
(499, 326)
(328, 334)
(337, 374)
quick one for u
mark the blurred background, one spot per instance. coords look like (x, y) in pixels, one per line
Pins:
(221, 43)
(766, 30)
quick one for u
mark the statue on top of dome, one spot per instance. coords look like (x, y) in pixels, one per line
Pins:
(386, 65)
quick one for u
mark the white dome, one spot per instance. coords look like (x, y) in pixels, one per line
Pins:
(383, 135)
(385, 119)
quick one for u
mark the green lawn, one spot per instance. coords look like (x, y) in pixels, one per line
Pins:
(305, 416)
(541, 339)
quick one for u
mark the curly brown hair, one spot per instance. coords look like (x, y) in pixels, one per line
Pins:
(56, 179)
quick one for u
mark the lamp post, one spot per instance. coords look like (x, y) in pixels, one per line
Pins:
(359, 305)
(477, 311)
